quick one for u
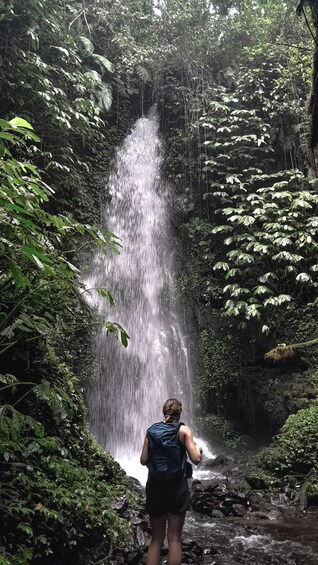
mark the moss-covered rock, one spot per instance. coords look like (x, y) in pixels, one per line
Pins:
(262, 480)
(312, 487)
(292, 456)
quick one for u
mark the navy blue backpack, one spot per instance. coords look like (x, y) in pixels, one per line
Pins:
(166, 455)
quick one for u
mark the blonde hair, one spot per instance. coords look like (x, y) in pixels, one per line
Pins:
(172, 409)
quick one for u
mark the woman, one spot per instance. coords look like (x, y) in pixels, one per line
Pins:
(167, 492)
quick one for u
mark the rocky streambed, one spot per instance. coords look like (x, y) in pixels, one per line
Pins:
(231, 523)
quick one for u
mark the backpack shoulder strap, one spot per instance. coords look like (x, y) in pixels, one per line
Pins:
(177, 424)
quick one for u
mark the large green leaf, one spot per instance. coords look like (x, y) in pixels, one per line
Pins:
(20, 123)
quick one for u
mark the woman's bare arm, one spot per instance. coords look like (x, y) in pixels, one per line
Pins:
(144, 452)
(186, 437)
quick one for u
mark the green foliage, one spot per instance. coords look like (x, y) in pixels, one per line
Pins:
(293, 454)
(232, 107)
(56, 71)
(56, 483)
(260, 479)
(238, 161)
(312, 487)
(295, 448)
(39, 283)
(218, 367)
(268, 239)
(232, 98)
(197, 276)
(49, 502)
(271, 234)
(219, 429)
(65, 91)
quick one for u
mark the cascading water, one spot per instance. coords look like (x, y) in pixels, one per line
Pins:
(129, 386)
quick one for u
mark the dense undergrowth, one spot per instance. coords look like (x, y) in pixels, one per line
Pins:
(57, 489)
(292, 458)
(56, 73)
(57, 484)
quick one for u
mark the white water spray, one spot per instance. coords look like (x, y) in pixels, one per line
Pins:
(129, 386)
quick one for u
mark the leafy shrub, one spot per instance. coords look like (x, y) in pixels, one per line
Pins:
(50, 503)
(294, 452)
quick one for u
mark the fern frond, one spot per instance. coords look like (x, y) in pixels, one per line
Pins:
(89, 47)
(104, 63)
(105, 97)
(94, 78)
(143, 74)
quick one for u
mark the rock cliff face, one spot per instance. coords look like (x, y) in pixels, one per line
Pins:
(237, 381)
(245, 397)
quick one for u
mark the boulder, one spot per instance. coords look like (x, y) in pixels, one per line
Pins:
(259, 501)
(220, 495)
(218, 461)
(239, 510)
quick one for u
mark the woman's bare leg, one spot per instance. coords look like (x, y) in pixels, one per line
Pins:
(158, 525)
(175, 525)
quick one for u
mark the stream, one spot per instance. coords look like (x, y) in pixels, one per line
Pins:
(271, 542)
(290, 539)
(271, 530)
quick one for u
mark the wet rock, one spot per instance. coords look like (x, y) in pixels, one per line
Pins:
(218, 461)
(274, 514)
(313, 511)
(230, 507)
(239, 487)
(239, 509)
(134, 484)
(211, 551)
(196, 485)
(259, 515)
(223, 495)
(217, 514)
(219, 490)
(136, 520)
(120, 504)
(259, 500)
(204, 502)
(141, 537)
(205, 486)
(133, 558)
(192, 552)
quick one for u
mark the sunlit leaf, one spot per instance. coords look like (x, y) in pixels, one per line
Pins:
(304, 277)
(20, 122)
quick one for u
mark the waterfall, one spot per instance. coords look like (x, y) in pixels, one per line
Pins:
(128, 387)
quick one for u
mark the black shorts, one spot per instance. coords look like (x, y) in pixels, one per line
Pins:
(170, 496)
